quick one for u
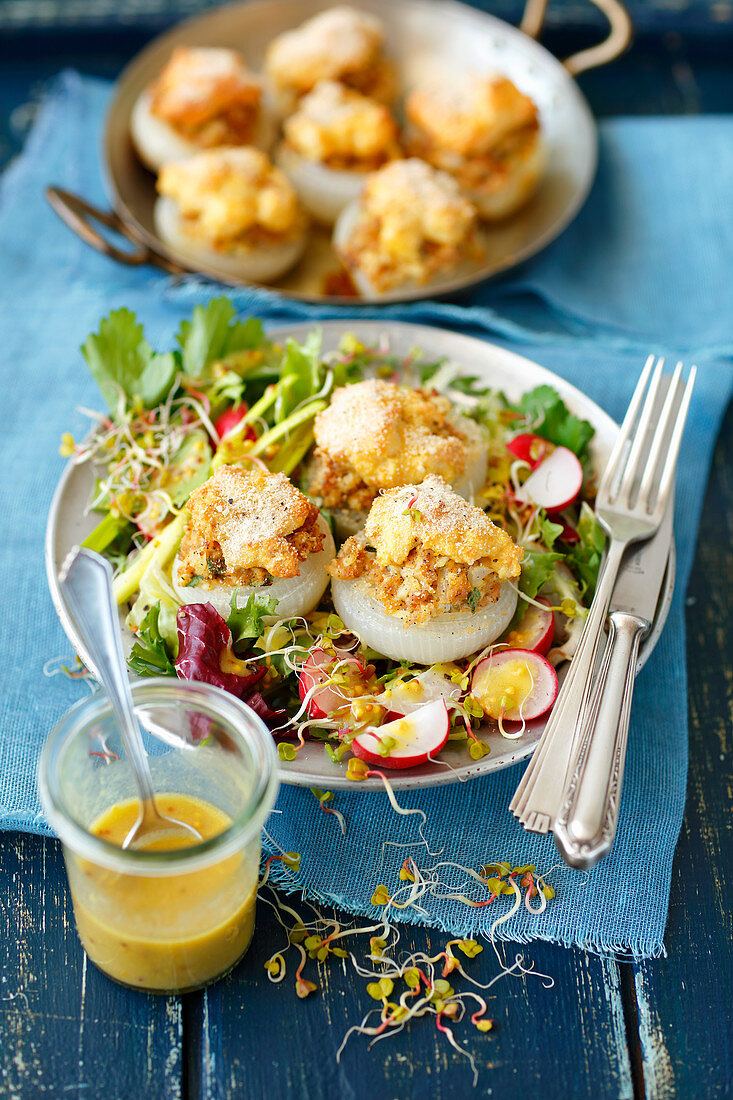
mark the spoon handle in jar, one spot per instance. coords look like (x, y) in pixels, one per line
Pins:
(86, 583)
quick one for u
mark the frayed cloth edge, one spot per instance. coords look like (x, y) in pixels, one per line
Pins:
(282, 879)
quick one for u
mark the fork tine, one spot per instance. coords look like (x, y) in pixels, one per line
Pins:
(638, 446)
(609, 475)
(661, 441)
(670, 464)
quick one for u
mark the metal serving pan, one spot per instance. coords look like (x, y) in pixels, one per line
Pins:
(69, 524)
(420, 35)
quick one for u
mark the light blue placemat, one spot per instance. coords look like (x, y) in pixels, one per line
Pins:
(53, 291)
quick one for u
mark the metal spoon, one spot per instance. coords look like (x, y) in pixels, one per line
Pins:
(86, 585)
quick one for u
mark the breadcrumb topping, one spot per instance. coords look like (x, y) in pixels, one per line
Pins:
(470, 116)
(342, 128)
(485, 133)
(425, 550)
(413, 222)
(232, 195)
(340, 43)
(376, 435)
(245, 526)
(208, 95)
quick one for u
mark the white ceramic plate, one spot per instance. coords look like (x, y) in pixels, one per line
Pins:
(68, 525)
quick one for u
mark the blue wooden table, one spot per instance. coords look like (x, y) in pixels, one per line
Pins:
(607, 1029)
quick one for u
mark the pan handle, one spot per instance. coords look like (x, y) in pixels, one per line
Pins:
(80, 217)
(619, 35)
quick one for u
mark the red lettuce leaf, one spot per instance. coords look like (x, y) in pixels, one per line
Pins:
(203, 639)
(262, 708)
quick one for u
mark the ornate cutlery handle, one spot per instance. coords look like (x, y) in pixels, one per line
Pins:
(549, 770)
(586, 825)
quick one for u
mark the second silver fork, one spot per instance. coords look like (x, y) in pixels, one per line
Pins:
(630, 505)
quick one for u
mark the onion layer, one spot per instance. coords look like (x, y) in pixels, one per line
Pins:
(295, 595)
(525, 172)
(323, 191)
(342, 231)
(157, 143)
(258, 265)
(450, 636)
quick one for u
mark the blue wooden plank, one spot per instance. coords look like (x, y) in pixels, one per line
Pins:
(259, 1040)
(685, 1001)
(65, 1029)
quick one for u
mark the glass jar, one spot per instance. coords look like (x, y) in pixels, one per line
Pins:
(172, 920)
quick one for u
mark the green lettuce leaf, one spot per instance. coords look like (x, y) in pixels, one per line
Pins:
(212, 334)
(537, 568)
(584, 558)
(470, 384)
(246, 622)
(149, 655)
(301, 376)
(123, 363)
(548, 416)
(549, 531)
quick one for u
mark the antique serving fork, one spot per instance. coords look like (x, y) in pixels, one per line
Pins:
(630, 505)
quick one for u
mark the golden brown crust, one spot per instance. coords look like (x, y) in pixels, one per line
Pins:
(424, 550)
(338, 44)
(339, 127)
(423, 586)
(337, 484)
(485, 172)
(376, 435)
(245, 525)
(208, 96)
(233, 196)
(471, 116)
(414, 222)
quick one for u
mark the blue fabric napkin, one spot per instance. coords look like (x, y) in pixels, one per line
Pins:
(624, 280)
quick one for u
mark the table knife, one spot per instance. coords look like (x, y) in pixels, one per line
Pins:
(585, 826)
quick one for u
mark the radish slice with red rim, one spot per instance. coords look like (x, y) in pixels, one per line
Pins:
(555, 483)
(405, 697)
(409, 741)
(326, 698)
(536, 629)
(514, 685)
(530, 448)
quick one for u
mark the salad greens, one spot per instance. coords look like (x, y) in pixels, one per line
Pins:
(545, 413)
(247, 622)
(213, 335)
(584, 558)
(229, 394)
(150, 655)
(124, 365)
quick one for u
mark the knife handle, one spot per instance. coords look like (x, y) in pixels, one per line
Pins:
(586, 825)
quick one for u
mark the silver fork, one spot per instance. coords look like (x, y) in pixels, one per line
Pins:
(630, 504)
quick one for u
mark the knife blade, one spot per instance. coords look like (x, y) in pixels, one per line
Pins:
(642, 571)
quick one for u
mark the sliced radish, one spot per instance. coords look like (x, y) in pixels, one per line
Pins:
(417, 738)
(427, 687)
(531, 448)
(555, 483)
(315, 674)
(536, 629)
(515, 685)
(229, 419)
